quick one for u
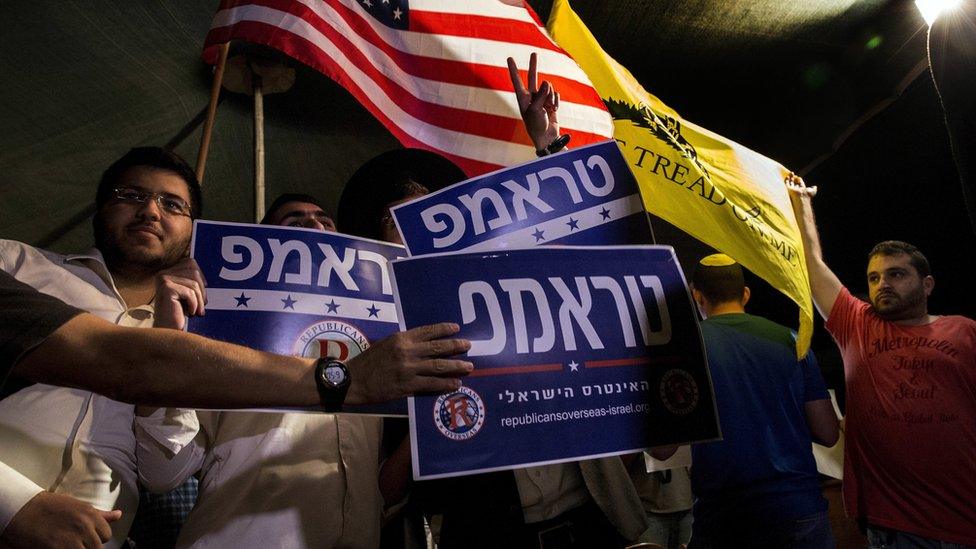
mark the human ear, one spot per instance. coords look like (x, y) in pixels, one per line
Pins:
(928, 284)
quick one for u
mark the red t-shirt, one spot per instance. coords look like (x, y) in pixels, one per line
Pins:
(910, 455)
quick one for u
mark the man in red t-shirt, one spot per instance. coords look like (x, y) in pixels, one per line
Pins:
(910, 456)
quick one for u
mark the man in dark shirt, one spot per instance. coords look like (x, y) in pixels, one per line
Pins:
(758, 487)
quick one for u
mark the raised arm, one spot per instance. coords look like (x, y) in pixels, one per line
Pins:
(824, 284)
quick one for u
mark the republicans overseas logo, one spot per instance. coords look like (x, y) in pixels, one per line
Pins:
(459, 415)
(332, 339)
(679, 392)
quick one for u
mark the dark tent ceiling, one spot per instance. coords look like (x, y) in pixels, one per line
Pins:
(86, 80)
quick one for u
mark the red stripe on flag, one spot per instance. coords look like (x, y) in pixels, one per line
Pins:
(481, 27)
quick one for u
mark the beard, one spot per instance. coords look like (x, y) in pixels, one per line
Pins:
(128, 261)
(898, 306)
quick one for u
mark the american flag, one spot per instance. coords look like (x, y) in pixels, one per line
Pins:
(433, 72)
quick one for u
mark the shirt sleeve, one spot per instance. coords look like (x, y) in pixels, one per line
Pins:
(814, 387)
(16, 492)
(169, 448)
(846, 314)
(28, 318)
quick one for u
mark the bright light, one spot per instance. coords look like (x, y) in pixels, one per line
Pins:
(931, 9)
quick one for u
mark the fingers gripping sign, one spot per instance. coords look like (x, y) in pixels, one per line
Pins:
(537, 104)
(420, 360)
(180, 293)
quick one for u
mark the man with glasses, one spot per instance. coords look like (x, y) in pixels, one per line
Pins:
(72, 441)
(60, 444)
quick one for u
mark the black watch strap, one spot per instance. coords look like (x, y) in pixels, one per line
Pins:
(332, 381)
(552, 148)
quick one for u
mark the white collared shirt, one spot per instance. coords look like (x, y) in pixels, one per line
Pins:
(289, 481)
(547, 491)
(69, 440)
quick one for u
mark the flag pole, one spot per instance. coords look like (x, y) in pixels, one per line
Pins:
(211, 111)
(258, 147)
(258, 76)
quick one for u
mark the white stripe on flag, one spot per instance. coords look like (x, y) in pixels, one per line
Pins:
(490, 8)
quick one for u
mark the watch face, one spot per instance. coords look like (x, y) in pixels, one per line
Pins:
(335, 375)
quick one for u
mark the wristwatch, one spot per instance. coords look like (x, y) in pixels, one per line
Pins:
(557, 145)
(332, 380)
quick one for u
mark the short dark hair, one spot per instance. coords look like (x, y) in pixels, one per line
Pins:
(284, 198)
(152, 157)
(389, 177)
(896, 247)
(719, 279)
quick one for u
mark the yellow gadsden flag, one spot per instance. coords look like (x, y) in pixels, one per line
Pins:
(716, 190)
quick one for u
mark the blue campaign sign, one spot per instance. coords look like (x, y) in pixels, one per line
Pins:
(579, 352)
(586, 196)
(296, 291)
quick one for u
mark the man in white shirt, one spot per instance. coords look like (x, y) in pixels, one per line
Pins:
(59, 444)
(72, 441)
(285, 480)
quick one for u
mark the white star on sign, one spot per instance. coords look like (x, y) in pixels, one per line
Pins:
(368, 3)
(573, 366)
(397, 13)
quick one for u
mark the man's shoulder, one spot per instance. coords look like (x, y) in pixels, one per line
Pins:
(16, 255)
(740, 320)
(14, 247)
(850, 304)
(960, 319)
(747, 326)
(53, 273)
(959, 322)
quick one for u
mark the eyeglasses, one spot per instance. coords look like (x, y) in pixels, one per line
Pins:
(172, 205)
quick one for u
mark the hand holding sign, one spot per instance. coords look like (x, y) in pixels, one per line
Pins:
(180, 292)
(314, 294)
(414, 361)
